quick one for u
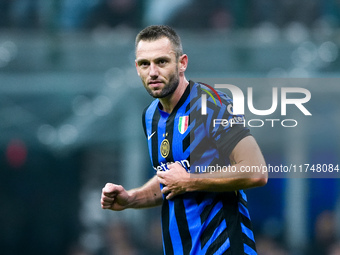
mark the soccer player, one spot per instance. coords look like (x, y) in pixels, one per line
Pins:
(202, 213)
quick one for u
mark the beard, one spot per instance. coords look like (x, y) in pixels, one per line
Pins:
(168, 88)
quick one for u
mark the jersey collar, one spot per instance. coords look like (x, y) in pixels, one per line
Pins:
(179, 103)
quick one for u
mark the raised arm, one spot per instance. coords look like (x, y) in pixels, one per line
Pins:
(116, 198)
(245, 154)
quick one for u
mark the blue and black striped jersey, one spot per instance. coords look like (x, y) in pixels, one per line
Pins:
(199, 222)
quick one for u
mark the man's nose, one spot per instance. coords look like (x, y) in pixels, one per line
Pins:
(153, 70)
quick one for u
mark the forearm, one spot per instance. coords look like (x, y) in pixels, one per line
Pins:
(149, 195)
(246, 172)
(245, 154)
(177, 180)
(228, 179)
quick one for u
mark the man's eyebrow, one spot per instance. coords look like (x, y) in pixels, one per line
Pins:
(141, 60)
(162, 57)
(156, 59)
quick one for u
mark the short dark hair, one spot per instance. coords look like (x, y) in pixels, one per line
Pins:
(155, 32)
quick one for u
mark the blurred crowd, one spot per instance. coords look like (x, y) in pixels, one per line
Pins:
(323, 239)
(120, 240)
(198, 14)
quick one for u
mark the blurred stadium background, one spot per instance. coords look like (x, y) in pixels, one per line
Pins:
(70, 118)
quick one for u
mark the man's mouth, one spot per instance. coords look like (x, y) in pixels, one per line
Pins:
(155, 84)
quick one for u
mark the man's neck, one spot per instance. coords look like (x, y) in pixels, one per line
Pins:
(169, 102)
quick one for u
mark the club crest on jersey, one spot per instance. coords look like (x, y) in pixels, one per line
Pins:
(183, 124)
(165, 148)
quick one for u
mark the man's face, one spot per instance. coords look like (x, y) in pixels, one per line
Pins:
(157, 67)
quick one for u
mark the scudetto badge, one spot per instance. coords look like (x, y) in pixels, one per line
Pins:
(183, 124)
(165, 148)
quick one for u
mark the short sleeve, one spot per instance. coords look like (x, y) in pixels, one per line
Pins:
(226, 129)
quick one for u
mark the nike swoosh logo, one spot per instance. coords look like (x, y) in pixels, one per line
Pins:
(149, 136)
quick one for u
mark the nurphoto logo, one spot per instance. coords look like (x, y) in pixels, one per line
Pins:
(238, 106)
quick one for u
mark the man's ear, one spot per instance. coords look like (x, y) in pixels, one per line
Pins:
(183, 63)
(137, 67)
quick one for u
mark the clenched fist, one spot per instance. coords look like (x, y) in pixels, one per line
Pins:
(114, 197)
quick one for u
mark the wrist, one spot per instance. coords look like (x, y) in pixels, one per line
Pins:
(190, 183)
(131, 198)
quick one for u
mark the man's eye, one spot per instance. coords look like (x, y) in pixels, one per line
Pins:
(162, 61)
(143, 64)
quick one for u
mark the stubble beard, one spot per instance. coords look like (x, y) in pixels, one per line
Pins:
(168, 88)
